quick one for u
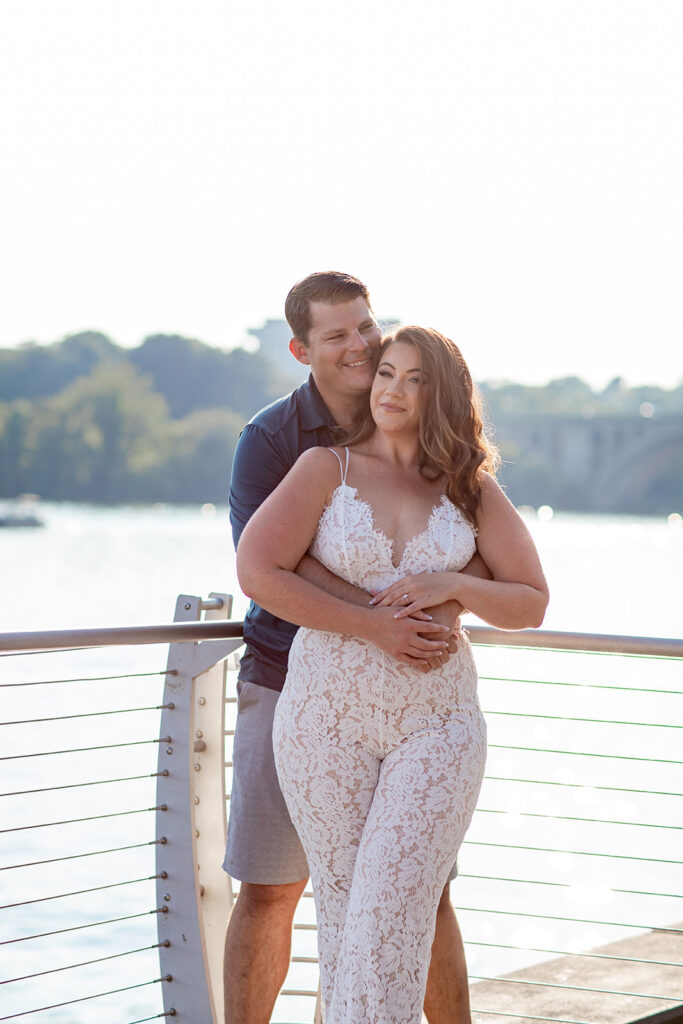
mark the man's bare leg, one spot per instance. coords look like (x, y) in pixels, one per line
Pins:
(447, 999)
(257, 950)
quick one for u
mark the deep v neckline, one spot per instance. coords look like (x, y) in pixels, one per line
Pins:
(384, 537)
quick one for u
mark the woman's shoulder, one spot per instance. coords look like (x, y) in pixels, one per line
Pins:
(324, 463)
(493, 501)
(489, 486)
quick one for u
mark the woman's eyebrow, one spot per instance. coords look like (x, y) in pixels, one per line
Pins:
(385, 362)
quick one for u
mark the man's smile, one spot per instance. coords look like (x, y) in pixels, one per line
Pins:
(359, 362)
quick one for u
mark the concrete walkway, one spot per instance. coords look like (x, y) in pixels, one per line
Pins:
(524, 1003)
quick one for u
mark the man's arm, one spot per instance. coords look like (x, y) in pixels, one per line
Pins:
(475, 567)
(309, 568)
(448, 613)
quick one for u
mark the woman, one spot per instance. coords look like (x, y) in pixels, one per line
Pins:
(379, 763)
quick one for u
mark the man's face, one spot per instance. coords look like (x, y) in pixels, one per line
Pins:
(341, 343)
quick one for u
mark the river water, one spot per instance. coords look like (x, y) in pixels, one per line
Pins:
(125, 566)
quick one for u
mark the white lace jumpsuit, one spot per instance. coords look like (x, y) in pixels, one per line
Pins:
(380, 766)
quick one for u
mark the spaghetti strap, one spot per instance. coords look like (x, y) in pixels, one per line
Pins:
(343, 468)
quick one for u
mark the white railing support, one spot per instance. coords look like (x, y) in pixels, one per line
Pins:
(195, 891)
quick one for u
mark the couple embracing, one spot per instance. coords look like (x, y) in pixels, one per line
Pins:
(367, 514)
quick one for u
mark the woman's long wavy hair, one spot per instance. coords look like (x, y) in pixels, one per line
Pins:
(453, 437)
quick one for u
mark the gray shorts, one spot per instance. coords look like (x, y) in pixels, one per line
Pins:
(263, 846)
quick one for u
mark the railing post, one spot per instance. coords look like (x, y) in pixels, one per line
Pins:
(195, 893)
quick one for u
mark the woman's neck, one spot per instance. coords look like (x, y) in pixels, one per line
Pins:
(400, 449)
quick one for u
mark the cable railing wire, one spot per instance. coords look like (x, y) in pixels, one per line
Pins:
(583, 785)
(81, 892)
(81, 927)
(85, 963)
(89, 853)
(574, 988)
(84, 750)
(528, 1016)
(585, 753)
(593, 721)
(87, 714)
(565, 885)
(574, 920)
(80, 785)
(570, 952)
(85, 999)
(77, 679)
(569, 817)
(156, 1016)
(577, 853)
(12, 653)
(581, 686)
(91, 817)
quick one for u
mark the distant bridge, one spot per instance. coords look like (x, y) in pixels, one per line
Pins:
(613, 459)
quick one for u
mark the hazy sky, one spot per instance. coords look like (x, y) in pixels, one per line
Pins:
(508, 171)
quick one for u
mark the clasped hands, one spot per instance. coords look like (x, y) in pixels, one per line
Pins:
(426, 597)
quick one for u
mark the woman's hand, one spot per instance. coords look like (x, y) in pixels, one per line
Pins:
(412, 594)
(410, 640)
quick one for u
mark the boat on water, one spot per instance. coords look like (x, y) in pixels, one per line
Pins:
(21, 511)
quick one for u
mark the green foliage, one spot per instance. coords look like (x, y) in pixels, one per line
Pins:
(85, 420)
(571, 396)
(199, 459)
(188, 374)
(192, 376)
(109, 438)
(32, 371)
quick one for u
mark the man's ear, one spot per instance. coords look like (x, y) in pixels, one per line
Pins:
(299, 351)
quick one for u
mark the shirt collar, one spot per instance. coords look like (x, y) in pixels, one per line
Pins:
(313, 411)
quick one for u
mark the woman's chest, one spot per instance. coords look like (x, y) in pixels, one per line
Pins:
(353, 543)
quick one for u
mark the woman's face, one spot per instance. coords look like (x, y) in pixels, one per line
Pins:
(395, 394)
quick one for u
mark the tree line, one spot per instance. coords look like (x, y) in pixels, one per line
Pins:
(86, 420)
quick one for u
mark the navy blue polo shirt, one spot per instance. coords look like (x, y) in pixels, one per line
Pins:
(267, 449)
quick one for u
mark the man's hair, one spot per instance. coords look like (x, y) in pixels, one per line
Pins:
(328, 286)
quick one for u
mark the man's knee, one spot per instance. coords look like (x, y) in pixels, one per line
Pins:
(270, 901)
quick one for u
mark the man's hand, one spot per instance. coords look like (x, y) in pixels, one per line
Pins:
(410, 640)
(447, 614)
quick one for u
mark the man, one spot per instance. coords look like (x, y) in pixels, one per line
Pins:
(335, 333)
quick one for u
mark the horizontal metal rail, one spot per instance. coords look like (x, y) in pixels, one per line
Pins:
(218, 629)
(114, 636)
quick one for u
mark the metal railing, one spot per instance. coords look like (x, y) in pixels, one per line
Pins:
(574, 852)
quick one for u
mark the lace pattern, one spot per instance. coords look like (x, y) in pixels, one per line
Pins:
(381, 767)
